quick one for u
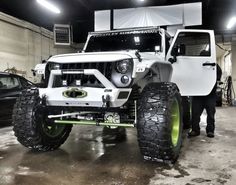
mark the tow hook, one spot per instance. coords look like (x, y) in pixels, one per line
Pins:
(106, 101)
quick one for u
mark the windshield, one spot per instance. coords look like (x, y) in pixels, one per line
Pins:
(144, 41)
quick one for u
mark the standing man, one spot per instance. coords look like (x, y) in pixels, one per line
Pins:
(199, 103)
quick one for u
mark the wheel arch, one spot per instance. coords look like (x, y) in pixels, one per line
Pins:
(165, 72)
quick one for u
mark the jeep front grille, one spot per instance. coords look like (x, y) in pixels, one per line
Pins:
(86, 80)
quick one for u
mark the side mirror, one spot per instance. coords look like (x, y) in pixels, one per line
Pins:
(174, 51)
(177, 51)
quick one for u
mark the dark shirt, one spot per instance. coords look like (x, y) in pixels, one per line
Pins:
(218, 77)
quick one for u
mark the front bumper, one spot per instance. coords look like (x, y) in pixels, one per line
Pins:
(94, 96)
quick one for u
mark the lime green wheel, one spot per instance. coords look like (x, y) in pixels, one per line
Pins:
(175, 122)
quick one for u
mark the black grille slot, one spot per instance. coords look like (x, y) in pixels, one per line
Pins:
(87, 80)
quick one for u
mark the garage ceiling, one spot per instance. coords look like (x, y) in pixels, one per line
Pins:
(79, 13)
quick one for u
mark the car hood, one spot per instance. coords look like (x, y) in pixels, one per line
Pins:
(93, 57)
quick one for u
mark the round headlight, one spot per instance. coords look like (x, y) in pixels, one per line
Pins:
(124, 79)
(123, 66)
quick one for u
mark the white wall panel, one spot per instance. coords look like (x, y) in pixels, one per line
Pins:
(23, 45)
(183, 14)
(148, 16)
(192, 14)
(102, 20)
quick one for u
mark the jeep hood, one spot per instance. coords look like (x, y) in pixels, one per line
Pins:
(93, 57)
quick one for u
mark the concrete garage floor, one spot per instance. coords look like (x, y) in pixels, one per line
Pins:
(85, 160)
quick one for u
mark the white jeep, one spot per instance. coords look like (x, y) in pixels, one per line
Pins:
(123, 78)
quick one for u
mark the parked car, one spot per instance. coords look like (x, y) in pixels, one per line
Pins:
(11, 86)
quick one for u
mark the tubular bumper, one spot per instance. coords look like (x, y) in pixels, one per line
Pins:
(95, 97)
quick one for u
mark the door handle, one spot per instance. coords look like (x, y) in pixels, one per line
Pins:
(209, 64)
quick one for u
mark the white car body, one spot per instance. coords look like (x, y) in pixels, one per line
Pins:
(188, 72)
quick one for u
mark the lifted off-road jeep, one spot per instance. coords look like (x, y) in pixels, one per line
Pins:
(123, 78)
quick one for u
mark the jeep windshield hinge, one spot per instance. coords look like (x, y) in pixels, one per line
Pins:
(138, 56)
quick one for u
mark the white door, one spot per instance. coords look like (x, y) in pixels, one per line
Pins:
(194, 67)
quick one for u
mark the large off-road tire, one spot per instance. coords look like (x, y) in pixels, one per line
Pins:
(160, 122)
(31, 125)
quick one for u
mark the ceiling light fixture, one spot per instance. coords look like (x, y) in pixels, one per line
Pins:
(49, 6)
(231, 23)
